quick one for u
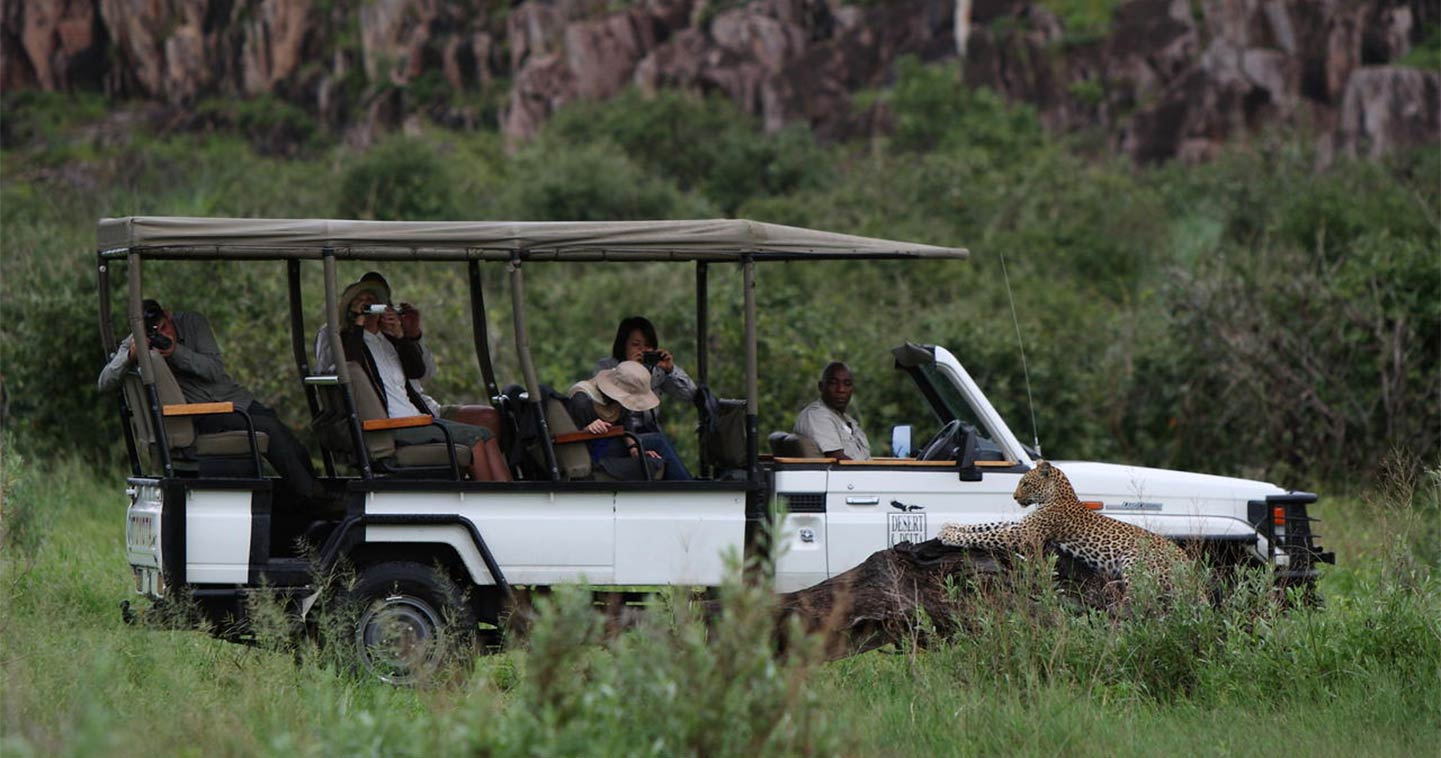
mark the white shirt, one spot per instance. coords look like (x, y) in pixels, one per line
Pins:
(387, 364)
(325, 364)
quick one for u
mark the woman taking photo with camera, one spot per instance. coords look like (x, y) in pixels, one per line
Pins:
(635, 340)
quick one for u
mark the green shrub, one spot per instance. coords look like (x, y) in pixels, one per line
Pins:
(273, 126)
(670, 686)
(933, 109)
(707, 145)
(550, 181)
(400, 179)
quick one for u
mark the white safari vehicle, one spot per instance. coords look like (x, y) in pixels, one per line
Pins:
(429, 549)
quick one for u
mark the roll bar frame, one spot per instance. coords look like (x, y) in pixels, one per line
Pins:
(480, 336)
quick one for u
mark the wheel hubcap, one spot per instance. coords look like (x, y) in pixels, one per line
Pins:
(399, 638)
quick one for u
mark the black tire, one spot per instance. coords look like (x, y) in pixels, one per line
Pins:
(408, 621)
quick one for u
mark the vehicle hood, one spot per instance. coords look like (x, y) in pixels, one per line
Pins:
(1110, 481)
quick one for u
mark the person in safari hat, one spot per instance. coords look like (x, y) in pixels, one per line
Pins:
(391, 357)
(617, 397)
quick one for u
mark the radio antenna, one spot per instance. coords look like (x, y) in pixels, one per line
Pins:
(1035, 432)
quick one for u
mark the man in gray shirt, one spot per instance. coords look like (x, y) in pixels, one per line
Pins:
(826, 422)
(194, 359)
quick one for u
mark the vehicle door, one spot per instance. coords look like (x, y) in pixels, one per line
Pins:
(877, 504)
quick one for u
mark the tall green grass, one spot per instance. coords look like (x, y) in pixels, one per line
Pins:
(1362, 674)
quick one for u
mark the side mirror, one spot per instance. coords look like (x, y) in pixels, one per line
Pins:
(966, 455)
(901, 441)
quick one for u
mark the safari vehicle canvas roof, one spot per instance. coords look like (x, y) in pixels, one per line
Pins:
(713, 240)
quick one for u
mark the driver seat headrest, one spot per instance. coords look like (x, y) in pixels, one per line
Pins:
(788, 445)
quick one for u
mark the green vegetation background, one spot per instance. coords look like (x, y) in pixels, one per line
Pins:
(1257, 315)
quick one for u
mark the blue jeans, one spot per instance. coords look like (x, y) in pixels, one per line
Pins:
(675, 470)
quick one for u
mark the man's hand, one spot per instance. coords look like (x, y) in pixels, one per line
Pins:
(410, 321)
(598, 426)
(390, 324)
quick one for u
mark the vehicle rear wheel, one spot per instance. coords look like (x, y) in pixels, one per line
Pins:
(409, 620)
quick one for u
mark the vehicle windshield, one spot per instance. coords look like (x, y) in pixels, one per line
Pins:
(953, 405)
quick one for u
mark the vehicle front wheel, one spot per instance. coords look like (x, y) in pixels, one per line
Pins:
(409, 619)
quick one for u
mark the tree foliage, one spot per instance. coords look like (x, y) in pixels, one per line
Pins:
(1255, 315)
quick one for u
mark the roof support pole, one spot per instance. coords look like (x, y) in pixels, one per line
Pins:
(702, 323)
(481, 332)
(748, 274)
(342, 367)
(147, 370)
(107, 330)
(297, 347)
(108, 344)
(527, 366)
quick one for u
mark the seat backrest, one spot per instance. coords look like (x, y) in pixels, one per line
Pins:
(179, 430)
(574, 458)
(722, 427)
(140, 422)
(332, 422)
(787, 445)
(380, 444)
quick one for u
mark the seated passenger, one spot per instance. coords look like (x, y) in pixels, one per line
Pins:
(189, 348)
(826, 422)
(635, 340)
(390, 359)
(617, 397)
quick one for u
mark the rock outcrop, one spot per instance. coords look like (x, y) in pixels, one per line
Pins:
(1166, 79)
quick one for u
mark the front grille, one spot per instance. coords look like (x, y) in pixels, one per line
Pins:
(804, 502)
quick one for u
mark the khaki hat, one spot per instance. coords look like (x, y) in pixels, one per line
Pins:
(378, 289)
(629, 385)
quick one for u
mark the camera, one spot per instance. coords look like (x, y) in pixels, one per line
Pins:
(154, 315)
(650, 358)
(374, 309)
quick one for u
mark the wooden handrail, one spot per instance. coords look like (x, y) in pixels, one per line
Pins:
(196, 409)
(584, 436)
(404, 422)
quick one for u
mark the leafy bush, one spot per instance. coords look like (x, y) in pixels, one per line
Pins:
(933, 109)
(400, 179)
(671, 686)
(550, 181)
(707, 145)
(274, 126)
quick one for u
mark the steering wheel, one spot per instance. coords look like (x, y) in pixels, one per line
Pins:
(942, 446)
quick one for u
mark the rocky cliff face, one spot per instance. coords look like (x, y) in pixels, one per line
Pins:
(1164, 78)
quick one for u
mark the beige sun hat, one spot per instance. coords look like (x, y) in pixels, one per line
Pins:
(629, 385)
(366, 284)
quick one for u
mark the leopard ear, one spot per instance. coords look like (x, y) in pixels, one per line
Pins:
(1044, 466)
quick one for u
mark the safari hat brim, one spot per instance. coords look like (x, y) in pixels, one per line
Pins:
(379, 290)
(629, 385)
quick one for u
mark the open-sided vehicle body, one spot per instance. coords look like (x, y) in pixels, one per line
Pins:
(212, 528)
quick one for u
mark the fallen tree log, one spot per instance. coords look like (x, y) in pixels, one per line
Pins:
(884, 599)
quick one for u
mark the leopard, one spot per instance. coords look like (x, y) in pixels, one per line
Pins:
(1113, 549)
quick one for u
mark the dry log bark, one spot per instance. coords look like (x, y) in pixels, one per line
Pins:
(882, 600)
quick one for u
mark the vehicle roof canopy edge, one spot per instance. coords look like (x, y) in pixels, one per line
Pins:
(705, 240)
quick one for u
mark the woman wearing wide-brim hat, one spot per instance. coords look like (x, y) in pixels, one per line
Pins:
(616, 397)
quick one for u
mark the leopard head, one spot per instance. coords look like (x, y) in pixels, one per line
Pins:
(1042, 484)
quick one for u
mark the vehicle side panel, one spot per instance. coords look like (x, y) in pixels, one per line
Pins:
(801, 544)
(536, 537)
(677, 537)
(217, 536)
(874, 508)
